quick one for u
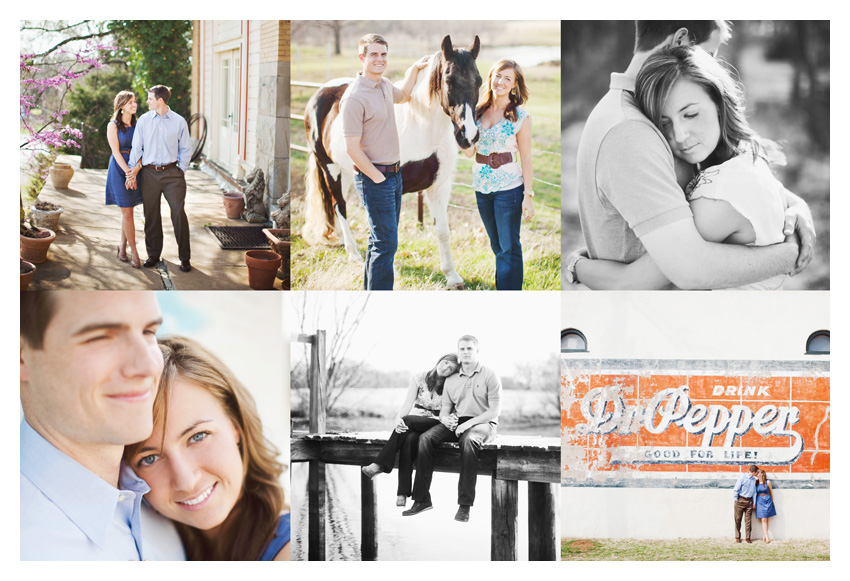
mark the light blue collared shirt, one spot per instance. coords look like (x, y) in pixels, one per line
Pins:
(160, 140)
(746, 486)
(70, 514)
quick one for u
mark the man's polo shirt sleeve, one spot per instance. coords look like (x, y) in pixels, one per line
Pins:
(494, 388)
(352, 111)
(635, 172)
(398, 94)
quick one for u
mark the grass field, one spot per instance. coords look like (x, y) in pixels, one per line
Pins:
(417, 260)
(693, 550)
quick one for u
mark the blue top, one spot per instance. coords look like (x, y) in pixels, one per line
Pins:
(70, 514)
(746, 486)
(160, 140)
(281, 537)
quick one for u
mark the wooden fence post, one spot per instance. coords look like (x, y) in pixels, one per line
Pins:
(543, 531)
(368, 519)
(316, 483)
(318, 387)
(503, 520)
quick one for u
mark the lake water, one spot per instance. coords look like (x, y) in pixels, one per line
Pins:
(432, 535)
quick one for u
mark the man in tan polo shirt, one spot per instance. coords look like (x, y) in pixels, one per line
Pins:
(371, 141)
(472, 402)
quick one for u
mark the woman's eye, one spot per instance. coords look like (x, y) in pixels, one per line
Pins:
(199, 436)
(690, 115)
(148, 460)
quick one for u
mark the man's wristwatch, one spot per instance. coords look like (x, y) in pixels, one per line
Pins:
(572, 278)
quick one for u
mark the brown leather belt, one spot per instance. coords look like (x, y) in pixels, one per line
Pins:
(495, 159)
(161, 167)
(123, 151)
(384, 169)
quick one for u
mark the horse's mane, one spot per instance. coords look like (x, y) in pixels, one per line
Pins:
(435, 81)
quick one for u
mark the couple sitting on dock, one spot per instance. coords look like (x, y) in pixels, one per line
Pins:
(457, 401)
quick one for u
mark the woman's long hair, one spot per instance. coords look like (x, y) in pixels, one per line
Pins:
(433, 380)
(517, 96)
(122, 99)
(663, 69)
(252, 522)
(761, 476)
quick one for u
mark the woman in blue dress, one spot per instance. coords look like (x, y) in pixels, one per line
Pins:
(121, 187)
(209, 467)
(764, 501)
(503, 184)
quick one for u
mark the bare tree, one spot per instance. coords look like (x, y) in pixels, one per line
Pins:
(347, 311)
(542, 376)
(335, 27)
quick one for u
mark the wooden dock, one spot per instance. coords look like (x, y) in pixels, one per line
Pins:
(507, 460)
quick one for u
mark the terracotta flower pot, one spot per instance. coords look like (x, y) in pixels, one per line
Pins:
(280, 242)
(48, 219)
(61, 174)
(234, 203)
(27, 270)
(262, 267)
(35, 249)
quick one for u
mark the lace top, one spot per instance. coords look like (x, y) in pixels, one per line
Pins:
(499, 138)
(427, 403)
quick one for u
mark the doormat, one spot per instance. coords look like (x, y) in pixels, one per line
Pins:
(239, 237)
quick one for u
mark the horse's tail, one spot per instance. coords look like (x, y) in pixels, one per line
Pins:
(319, 213)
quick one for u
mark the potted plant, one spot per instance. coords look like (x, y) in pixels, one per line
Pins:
(45, 215)
(280, 243)
(27, 270)
(35, 242)
(262, 267)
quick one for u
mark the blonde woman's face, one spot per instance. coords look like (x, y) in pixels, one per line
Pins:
(193, 464)
(690, 122)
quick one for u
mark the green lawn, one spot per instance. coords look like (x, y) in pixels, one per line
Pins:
(693, 550)
(417, 260)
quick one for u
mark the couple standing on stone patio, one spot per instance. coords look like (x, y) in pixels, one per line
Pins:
(149, 160)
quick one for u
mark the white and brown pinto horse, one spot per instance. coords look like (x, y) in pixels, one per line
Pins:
(440, 114)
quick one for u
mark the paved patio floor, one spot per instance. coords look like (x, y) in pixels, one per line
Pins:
(83, 256)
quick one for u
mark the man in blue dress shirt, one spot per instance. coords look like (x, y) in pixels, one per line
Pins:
(90, 367)
(745, 491)
(161, 153)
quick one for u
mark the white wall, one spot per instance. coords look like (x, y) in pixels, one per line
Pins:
(696, 325)
(660, 513)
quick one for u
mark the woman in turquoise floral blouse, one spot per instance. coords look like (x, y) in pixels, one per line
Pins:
(503, 181)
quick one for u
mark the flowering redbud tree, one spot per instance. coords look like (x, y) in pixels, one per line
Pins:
(47, 129)
(45, 80)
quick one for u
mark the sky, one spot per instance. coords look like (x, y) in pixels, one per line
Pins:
(412, 330)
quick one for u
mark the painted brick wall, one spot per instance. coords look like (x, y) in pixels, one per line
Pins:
(632, 423)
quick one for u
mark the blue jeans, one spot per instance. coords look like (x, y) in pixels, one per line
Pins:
(501, 213)
(383, 208)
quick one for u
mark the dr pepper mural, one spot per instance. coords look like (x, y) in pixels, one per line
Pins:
(625, 422)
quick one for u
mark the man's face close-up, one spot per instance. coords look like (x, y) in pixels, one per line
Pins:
(467, 352)
(152, 101)
(96, 375)
(375, 60)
